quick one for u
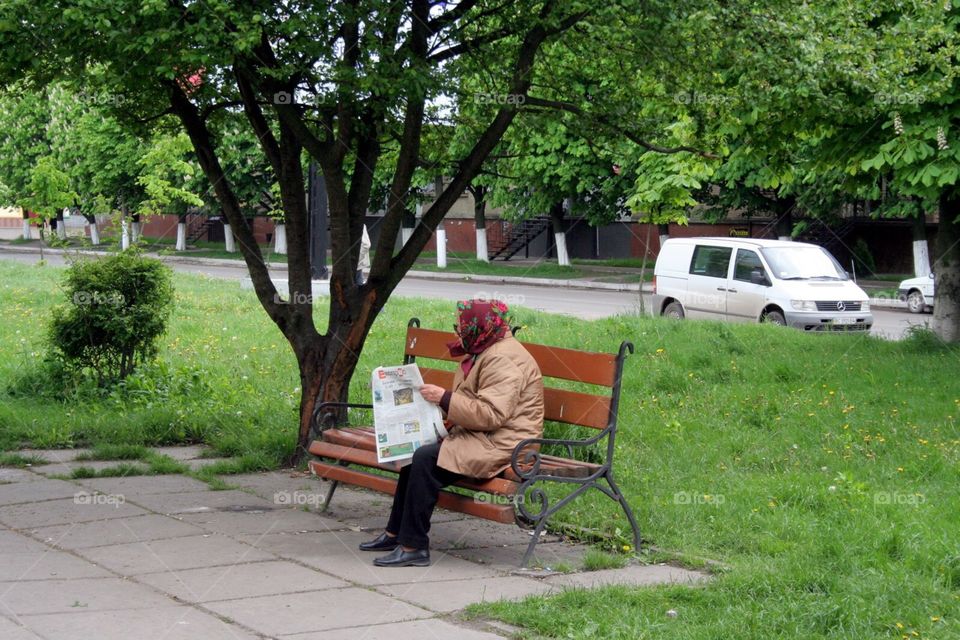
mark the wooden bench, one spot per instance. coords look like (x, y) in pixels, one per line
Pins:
(514, 495)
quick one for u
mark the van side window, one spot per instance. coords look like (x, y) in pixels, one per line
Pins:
(710, 261)
(747, 261)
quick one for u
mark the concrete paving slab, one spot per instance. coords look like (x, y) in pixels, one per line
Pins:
(453, 595)
(633, 575)
(66, 469)
(476, 534)
(84, 506)
(433, 629)
(507, 558)
(158, 623)
(8, 475)
(43, 489)
(71, 596)
(10, 630)
(145, 485)
(267, 484)
(47, 565)
(273, 521)
(13, 542)
(173, 554)
(191, 452)
(240, 581)
(316, 611)
(336, 553)
(55, 455)
(117, 531)
(202, 502)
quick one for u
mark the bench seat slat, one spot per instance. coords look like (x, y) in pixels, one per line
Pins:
(368, 458)
(363, 438)
(454, 502)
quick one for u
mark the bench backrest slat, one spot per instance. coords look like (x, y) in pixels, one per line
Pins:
(559, 405)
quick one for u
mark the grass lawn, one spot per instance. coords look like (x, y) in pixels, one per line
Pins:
(820, 470)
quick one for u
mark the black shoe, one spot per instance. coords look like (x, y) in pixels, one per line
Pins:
(400, 558)
(383, 542)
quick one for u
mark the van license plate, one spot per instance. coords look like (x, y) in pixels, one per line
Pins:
(845, 321)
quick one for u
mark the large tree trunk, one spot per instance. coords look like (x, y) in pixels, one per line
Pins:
(946, 305)
(784, 223)
(181, 233)
(479, 193)
(26, 225)
(921, 251)
(94, 230)
(135, 229)
(61, 226)
(663, 231)
(560, 234)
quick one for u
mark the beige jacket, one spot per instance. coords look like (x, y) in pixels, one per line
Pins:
(499, 404)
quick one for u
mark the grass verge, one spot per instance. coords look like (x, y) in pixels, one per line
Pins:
(821, 470)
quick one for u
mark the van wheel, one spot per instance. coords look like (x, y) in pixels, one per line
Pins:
(775, 317)
(674, 310)
(915, 302)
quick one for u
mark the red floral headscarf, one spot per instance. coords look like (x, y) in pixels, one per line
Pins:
(481, 324)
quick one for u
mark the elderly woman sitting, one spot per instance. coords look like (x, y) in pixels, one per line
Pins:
(496, 401)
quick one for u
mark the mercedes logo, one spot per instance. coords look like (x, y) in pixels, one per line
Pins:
(841, 306)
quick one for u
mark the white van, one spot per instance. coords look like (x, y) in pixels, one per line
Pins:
(750, 280)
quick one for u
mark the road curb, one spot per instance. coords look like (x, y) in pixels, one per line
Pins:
(419, 275)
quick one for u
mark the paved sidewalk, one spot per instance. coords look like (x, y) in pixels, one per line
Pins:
(165, 557)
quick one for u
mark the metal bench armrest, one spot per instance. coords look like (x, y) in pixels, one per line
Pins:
(527, 452)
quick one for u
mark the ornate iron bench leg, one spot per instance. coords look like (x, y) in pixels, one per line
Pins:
(333, 487)
(541, 525)
(626, 509)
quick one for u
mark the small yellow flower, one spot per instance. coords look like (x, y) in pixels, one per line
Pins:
(934, 618)
(900, 469)
(899, 625)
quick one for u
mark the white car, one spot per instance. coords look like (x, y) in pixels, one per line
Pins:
(917, 293)
(753, 280)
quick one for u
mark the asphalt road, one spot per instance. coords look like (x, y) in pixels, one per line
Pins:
(582, 303)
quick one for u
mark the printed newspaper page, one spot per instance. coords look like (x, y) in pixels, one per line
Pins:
(402, 419)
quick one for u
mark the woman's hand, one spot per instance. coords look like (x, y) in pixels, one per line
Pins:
(432, 393)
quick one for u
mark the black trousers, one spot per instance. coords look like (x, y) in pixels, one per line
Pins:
(417, 491)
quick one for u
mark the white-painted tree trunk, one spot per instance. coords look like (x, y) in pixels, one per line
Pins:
(280, 239)
(483, 255)
(181, 236)
(94, 233)
(27, 235)
(921, 258)
(405, 233)
(124, 235)
(62, 229)
(663, 238)
(563, 258)
(441, 248)
(231, 245)
(134, 232)
(785, 238)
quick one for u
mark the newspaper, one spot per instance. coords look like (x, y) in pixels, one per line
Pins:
(402, 419)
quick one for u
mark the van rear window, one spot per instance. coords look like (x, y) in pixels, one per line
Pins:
(710, 261)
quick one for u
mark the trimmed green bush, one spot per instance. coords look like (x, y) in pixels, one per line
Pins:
(117, 309)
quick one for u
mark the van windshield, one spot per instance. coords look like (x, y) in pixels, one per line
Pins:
(803, 263)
